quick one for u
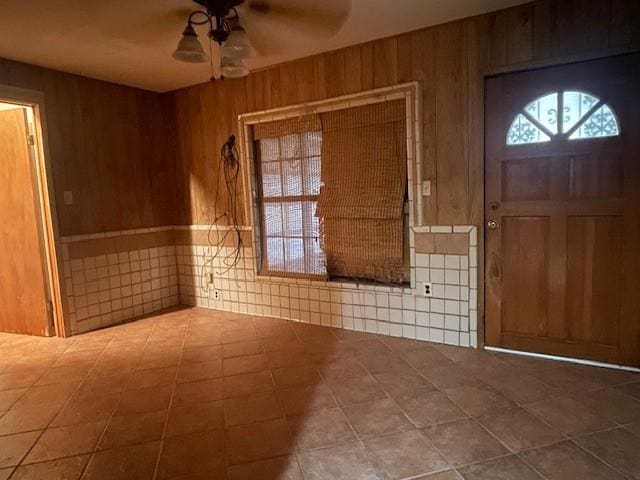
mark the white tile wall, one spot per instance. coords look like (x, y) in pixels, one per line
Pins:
(108, 289)
(448, 316)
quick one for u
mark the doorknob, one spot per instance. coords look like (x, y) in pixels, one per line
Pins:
(492, 224)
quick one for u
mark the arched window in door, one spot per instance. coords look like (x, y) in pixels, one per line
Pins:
(583, 116)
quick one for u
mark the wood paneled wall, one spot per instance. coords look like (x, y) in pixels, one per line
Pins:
(111, 145)
(137, 159)
(450, 61)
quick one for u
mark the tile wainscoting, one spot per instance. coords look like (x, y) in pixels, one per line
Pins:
(444, 256)
(117, 276)
(110, 278)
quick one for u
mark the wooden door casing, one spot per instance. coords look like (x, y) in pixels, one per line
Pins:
(23, 294)
(562, 265)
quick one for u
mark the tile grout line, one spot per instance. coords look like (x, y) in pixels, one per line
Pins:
(27, 388)
(389, 397)
(110, 419)
(173, 391)
(603, 461)
(64, 405)
(350, 355)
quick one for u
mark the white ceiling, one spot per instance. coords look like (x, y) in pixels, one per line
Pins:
(131, 41)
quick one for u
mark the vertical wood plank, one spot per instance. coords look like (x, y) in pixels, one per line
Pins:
(251, 92)
(366, 51)
(452, 117)
(498, 39)
(273, 88)
(353, 68)
(320, 67)
(519, 34)
(214, 109)
(570, 27)
(478, 58)
(334, 74)
(542, 30)
(385, 66)
(625, 23)
(423, 70)
(305, 79)
(288, 84)
(404, 58)
(599, 23)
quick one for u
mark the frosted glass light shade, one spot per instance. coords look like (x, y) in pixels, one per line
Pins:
(237, 45)
(189, 48)
(234, 68)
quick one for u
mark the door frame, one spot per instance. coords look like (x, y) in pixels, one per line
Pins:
(50, 244)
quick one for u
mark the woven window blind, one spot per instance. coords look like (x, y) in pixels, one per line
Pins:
(288, 167)
(364, 176)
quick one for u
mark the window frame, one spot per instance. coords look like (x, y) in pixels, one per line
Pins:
(411, 93)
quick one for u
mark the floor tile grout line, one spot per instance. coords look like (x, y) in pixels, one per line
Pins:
(62, 407)
(572, 439)
(171, 397)
(626, 427)
(394, 400)
(602, 460)
(27, 388)
(389, 397)
(109, 420)
(532, 467)
(297, 453)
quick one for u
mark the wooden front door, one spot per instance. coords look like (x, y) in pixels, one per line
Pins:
(562, 191)
(23, 296)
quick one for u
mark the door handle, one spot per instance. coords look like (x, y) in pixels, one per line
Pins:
(492, 224)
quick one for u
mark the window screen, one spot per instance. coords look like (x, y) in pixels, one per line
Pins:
(288, 167)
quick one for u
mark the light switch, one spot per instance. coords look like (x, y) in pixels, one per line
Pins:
(68, 197)
(426, 188)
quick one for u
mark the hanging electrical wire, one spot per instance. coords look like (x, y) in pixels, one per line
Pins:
(226, 225)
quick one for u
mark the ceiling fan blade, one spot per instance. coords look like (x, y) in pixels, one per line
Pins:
(311, 16)
(156, 25)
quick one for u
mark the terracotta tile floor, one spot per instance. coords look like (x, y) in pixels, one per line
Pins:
(196, 394)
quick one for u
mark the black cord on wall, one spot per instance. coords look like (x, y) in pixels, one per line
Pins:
(230, 166)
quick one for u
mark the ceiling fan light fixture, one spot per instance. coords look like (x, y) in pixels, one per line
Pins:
(233, 68)
(189, 47)
(238, 45)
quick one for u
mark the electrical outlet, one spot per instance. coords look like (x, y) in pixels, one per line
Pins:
(217, 295)
(426, 188)
(427, 289)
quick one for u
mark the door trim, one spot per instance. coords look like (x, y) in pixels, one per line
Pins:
(44, 187)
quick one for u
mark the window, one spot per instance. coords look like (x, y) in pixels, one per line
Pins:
(289, 176)
(583, 116)
(330, 194)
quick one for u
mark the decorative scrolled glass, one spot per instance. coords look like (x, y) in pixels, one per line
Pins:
(582, 116)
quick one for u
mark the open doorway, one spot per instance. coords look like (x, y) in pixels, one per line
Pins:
(29, 289)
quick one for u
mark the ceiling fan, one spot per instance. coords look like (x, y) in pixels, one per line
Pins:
(222, 20)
